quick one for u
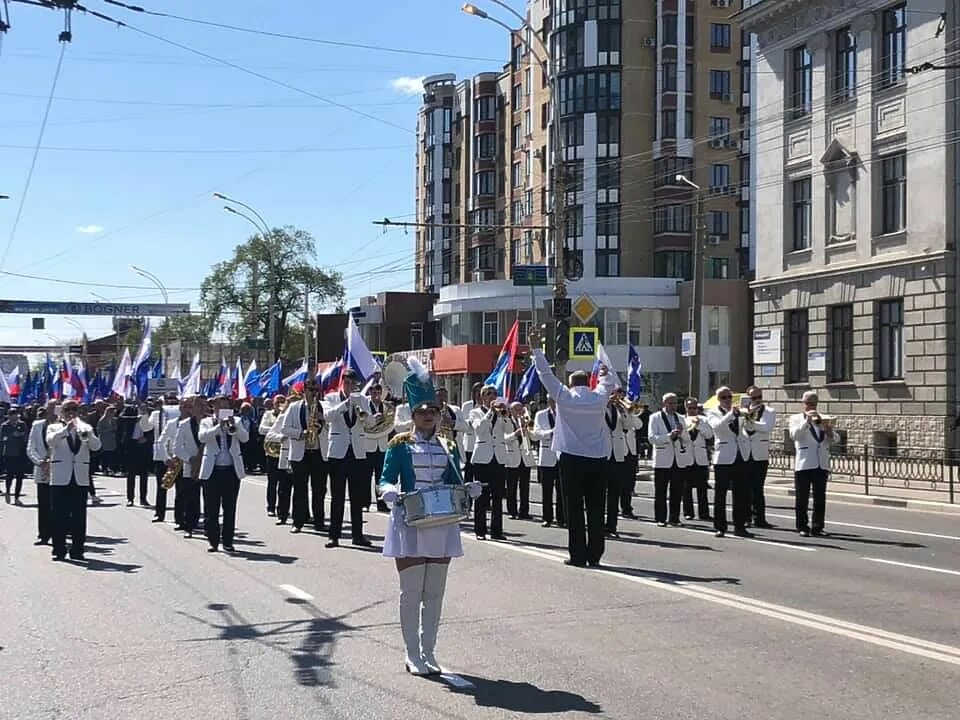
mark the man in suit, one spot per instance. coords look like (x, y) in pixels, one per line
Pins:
(138, 450)
(13, 437)
(758, 424)
(630, 472)
(70, 440)
(547, 464)
(672, 454)
(376, 444)
(347, 455)
(273, 409)
(730, 453)
(304, 427)
(812, 437)
(160, 419)
(698, 471)
(169, 440)
(465, 437)
(221, 471)
(39, 453)
(490, 424)
(619, 424)
(189, 449)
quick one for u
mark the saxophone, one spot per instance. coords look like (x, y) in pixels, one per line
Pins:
(170, 476)
(311, 435)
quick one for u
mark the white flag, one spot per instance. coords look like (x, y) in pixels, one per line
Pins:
(121, 381)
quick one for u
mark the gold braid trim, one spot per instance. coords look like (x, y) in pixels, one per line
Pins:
(400, 439)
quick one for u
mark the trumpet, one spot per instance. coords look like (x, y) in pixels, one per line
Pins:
(692, 422)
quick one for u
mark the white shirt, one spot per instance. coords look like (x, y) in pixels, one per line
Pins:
(224, 458)
(581, 428)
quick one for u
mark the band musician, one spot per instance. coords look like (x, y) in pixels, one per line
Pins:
(672, 454)
(548, 471)
(758, 424)
(221, 471)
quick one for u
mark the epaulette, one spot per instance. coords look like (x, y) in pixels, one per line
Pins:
(448, 444)
(400, 438)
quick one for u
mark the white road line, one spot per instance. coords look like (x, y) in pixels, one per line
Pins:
(294, 591)
(911, 565)
(455, 680)
(782, 545)
(875, 636)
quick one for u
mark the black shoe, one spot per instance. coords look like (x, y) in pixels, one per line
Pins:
(764, 525)
(513, 517)
(144, 503)
(498, 536)
(546, 524)
(818, 533)
(296, 529)
(156, 519)
(525, 517)
(271, 513)
(362, 542)
(178, 527)
(129, 503)
(661, 524)
(743, 532)
(675, 523)
(688, 517)
(41, 541)
(332, 544)
(720, 533)
(708, 518)
(59, 558)
(189, 534)
(612, 534)
(282, 521)
(574, 563)
(229, 548)
(628, 516)
(593, 563)
(212, 549)
(382, 507)
(481, 537)
(320, 528)
(804, 533)
(78, 557)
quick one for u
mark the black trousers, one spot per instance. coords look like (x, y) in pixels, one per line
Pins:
(518, 482)
(15, 467)
(493, 477)
(220, 492)
(309, 477)
(347, 473)
(468, 467)
(375, 463)
(583, 485)
(731, 478)
(667, 493)
(132, 472)
(695, 478)
(160, 469)
(190, 490)
(273, 482)
(616, 476)
(549, 478)
(629, 485)
(319, 474)
(44, 525)
(179, 501)
(68, 514)
(803, 482)
(756, 477)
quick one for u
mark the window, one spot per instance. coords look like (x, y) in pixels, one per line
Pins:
(516, 175)
(689, 78)
(666, 170)
(720, 84)
(691, 26)
(718, 378)
(608, 260)
(840, 351)
(669, 27)
(608, 221)
(486, 146)
(797, 346)
(527, 122)
(889, 360)
(517, 56)
(516, 212)
(416, 336)
(801, 82)
(483, 257)
(649, 328)
(568, 47)
(718, 223)
(572, 131)
(587, 92)
(608, 176)
(669, 77)
(885, 443)
(893, 58)
(719, 36)
(718, 324)
(672, 219)
(845, 65)
(616, 327)
(719, 176)
(517, 135)
(672, 264)
(716, 268)
(802, 213)
(719, 128)
(688, 124)
(517, 97)
(484, 183)
(608, 43)
(894, 199)
(668, 124)
(491, 328)
(608, 134)
(486, 108)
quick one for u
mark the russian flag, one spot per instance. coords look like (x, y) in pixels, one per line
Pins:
(502, 375)
(529, 386)
(66, 378)
(295, 382)
(236, 377)
(13, 382)
(78, 380)
(602, 359)
(250, 387)
(358, 356)
(330, 378)
(223, 384)
(634, 379)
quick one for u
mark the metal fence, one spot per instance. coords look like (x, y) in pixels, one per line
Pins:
(917, 469)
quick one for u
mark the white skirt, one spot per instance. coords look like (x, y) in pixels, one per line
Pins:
(401, 540)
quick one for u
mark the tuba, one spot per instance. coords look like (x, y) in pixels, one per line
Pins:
(170, 476)
(271, 449)
(386, 421)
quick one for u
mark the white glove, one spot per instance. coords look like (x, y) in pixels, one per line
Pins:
(389, 494)
(474, 489)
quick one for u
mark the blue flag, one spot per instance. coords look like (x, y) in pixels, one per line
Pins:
(157, 372)
(529, 385)
(634, 379)
(270, 380)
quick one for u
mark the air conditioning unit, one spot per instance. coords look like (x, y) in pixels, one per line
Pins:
(714, 239)
(650, 42)
(732, 144)
(716, 143)
(538, 153)
(720, 3)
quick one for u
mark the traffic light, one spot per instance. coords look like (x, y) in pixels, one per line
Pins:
(563, 335)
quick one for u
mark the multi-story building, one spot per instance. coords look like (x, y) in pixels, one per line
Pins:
(646, 92)
(855, 188)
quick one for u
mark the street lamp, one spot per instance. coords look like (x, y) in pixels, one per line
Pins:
(561, 303)
(696, 301)
(154, 279)
(4, 197)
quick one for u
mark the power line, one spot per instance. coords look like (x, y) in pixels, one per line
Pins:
(207, 151)
(36, 154)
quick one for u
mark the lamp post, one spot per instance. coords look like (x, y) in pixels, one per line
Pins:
(561, 303)
(83, 336)
(154, 279)
(264, 229)
(4, 197)
(696, 301)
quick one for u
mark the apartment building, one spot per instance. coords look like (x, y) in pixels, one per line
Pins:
(645, 92)
(855, 189)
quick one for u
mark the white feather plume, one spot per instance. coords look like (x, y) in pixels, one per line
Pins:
(418, 368)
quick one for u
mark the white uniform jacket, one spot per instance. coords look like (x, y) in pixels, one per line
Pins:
(37, 450)
(622, 427)
(812, 444)
(337, 409)
(169, 438)
(758, 433)
(465, 437)
(376, 442)
(291, 425)
(631, 426)
(266, 422)
(512, 442)
(729, 436)
(665, 450)
(543, 424)
(68, 462)
(158, 420)
(185, 447)
(488, 429)
(403, 419)
(211, 437)
(699, 434)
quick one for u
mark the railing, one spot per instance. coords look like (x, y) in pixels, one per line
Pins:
(917, 469)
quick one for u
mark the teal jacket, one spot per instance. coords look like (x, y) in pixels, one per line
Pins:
(398, 464)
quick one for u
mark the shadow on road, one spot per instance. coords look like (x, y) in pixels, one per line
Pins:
(845, 537)
(667, 577)
(265, 557)
(97, 565)
(523, 697)
(100, 540)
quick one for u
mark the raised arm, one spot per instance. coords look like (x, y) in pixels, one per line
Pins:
(551, 382)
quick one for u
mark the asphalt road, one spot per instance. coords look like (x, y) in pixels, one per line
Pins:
(860, 624)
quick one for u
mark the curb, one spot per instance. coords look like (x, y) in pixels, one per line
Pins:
(877, 500)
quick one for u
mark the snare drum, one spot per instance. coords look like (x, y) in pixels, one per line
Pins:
(435, 506)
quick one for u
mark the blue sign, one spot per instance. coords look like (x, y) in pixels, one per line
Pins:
(529, 275)
(42, 307)
(583, 343)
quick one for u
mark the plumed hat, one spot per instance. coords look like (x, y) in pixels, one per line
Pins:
(418, 387)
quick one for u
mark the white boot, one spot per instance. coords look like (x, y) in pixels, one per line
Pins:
(434, 585)
(411, 594)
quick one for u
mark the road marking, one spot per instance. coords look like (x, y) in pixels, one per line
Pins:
(294, 591)
(911, 565)
(782, 545)
(875, 636)
(454, 679)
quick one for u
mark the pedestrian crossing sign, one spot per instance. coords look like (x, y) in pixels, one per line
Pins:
(583, 343)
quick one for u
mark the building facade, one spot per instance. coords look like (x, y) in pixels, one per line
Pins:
(855, 169)
(646, 92)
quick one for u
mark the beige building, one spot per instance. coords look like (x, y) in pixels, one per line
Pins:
(647, 91)
(855, 186)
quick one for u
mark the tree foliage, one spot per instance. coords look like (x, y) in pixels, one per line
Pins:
(189, 329)
(236, 295)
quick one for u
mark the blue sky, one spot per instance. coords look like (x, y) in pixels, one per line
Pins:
(133, 148)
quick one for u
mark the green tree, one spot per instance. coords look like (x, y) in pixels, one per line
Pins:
(237, 293)
(189, 329)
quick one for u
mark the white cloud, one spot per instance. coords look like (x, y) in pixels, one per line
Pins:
(408, 85)
(89, 229)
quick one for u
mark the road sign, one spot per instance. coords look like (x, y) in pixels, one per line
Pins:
(162, 386)
(561, 309)
(529, 275)
(43, 307)
(583, 343)
(256, 343)
(585, 308)
(75, 349)
(688, 344)
(380, 355)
